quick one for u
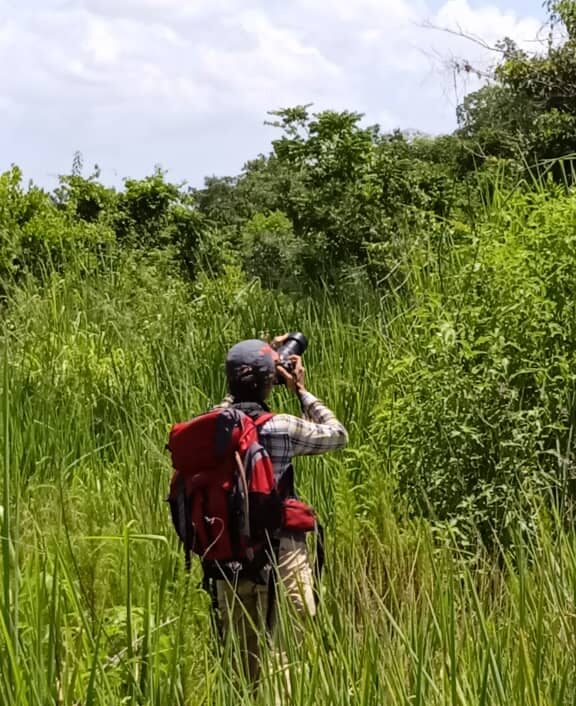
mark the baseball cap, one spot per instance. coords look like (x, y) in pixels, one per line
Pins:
(251, 363)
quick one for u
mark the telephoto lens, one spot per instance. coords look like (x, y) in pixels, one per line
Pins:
(295, 344)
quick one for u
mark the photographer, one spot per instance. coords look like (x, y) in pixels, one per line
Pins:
(253, 368)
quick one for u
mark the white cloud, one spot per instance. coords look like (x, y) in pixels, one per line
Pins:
(487, 25)
(107, 72)
(102, 44)
(158, 10)
(274, 68)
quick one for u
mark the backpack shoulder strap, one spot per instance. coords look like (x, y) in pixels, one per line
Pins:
(262, 419)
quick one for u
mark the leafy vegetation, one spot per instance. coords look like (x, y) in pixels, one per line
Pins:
(435, 281)
(528, 113)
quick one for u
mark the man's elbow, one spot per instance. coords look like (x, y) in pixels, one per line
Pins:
(342, 437)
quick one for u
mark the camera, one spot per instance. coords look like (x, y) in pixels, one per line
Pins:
(295, 344)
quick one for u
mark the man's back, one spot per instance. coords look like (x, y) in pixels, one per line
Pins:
(285, 435)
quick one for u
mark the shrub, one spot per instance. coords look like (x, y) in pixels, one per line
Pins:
(270, 251)
(483, 411)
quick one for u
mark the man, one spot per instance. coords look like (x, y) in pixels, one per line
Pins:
(251, 369)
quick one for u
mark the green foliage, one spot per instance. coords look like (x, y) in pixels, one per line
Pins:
(270, 249)
(351, 194)
(488, 379)
(86, 199)
(448, 388)
(361, 189)
(562, 13)
(84, 219)
(494, 122)
(144, 210)
(435, 279)
(36, 237)
(529, 112)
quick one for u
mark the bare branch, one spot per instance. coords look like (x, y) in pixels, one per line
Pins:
(459, 32)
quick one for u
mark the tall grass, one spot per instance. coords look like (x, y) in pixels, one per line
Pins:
(95, 607)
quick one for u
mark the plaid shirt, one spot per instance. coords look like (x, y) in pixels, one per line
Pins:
(285, 436)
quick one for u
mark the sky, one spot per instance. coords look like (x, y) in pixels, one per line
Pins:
(186, 84)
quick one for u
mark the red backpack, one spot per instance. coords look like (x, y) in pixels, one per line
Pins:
(223, 497)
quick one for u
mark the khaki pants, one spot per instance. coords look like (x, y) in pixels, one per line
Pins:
(244, 607)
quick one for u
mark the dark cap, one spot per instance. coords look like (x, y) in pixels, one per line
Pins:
(251, 364)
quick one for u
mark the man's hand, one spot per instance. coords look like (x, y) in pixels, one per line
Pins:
(277, 341)
(295, 380)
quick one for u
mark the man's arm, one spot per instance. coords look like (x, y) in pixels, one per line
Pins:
(319, 430)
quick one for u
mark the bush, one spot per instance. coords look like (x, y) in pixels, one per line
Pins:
(36, 236)
(484, 406)
(270, 251)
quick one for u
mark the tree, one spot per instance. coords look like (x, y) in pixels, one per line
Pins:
(347, 191)
(529, 110)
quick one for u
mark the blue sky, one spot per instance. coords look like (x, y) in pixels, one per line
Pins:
(186, 83)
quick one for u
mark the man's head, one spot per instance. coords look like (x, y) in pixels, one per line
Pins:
(251, 370)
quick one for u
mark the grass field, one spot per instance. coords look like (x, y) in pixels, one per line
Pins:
(94, 605)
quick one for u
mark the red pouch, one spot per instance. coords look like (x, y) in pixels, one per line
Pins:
(298, 516)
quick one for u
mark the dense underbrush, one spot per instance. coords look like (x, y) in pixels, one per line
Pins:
(451, 573)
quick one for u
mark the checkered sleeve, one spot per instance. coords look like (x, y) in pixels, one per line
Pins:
(317, 432)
